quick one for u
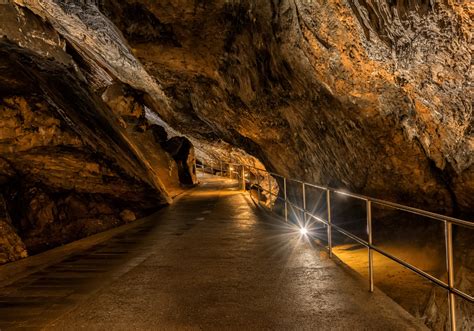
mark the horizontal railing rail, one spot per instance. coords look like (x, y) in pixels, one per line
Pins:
(240, 170)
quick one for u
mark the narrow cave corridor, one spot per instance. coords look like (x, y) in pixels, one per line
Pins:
(236, 164)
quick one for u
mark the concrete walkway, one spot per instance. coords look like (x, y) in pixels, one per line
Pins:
(210, 261)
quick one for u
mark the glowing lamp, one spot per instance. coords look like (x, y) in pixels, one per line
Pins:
(303, 231)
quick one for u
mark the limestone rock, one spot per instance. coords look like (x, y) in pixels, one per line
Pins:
(11, 246)
(127, 215)
(75, 146)
(350, 89)
(104, 103)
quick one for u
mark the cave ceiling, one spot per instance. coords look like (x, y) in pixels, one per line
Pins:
(374, 96)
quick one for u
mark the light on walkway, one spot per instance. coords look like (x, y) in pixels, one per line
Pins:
(303, 231)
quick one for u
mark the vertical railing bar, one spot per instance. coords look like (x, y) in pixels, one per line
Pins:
(258, 188)
(270, 192)
(304, 203)
(450, 269)
(250, 178)
(286, 199)
(328, 206)
(371, 257)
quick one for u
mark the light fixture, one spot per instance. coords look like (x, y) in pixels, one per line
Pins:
(303, 231)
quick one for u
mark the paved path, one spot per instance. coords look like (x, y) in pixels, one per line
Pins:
(210, 261)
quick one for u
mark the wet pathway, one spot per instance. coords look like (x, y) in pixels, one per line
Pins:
(210, 261)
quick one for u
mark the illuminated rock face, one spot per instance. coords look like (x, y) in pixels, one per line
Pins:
(370, 96)
(74, 158)
(373, 96)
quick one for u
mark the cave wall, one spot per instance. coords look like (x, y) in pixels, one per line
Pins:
(103, 104)
(77, 155)
(373, 96)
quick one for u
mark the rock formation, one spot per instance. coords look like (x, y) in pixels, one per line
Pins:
(102, 104)
(74, 154)
(356, 94)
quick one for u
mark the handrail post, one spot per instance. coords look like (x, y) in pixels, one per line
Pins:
(286, 198)
(248, 174)
(328, 206)
(304, 203)
(448, 226)
(258, 187)
(242, 180)
(269, 192)
(222, 169)
(371, 257)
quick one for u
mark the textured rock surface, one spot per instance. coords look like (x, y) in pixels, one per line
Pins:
(346, 94)
(12, 247)
(72, 155)
(373, 96)
(342, 93)
(127, 215)
(356, 94)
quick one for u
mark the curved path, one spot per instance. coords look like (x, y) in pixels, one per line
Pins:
(209, 261)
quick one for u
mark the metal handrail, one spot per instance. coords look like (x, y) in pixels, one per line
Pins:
(394, 205)
(447, 220)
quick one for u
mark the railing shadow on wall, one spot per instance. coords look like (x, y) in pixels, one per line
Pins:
(273, 190)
